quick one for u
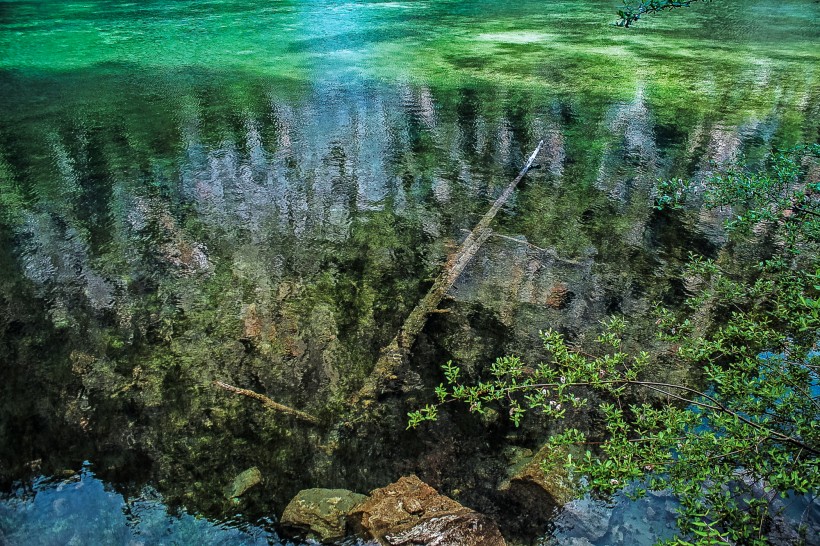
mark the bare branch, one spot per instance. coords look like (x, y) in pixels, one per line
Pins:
(268, 403)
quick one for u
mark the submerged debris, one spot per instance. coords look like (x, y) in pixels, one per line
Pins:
(243, 482)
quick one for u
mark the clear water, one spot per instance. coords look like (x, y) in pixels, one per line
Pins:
(82, 510)
(259, 192)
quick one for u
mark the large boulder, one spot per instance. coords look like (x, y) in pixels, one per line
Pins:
(320, 513)
(410, 512)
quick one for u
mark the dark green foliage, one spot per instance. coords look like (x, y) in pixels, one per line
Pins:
(632, 10)
(745, 427)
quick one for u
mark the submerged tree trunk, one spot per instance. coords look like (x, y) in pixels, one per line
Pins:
(393, 356)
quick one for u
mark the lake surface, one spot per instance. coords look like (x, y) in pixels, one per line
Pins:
(260, 192)
(81, 509)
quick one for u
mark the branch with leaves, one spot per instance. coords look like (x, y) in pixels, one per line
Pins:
(749, 332)
(632, 10)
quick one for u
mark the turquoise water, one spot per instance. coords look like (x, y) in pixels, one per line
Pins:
(260, 192)
(80, 510)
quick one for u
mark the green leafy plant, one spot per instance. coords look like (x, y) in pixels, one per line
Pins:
(746, 427)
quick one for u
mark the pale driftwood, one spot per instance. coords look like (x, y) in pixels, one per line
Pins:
(393, 356)
(268, 403)
(519, 241)
(552, 253)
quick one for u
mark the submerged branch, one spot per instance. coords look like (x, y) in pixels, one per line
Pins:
(553, 255)
(393, 356)
(268, 403)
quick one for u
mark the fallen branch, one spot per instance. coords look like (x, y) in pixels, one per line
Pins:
(268, 403)
(552, 253)
(393, 356)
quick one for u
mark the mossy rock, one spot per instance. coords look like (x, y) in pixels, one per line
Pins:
(559, 487)
(320, 513)
(244, 481)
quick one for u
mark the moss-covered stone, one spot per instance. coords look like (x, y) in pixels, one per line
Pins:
(320, 513)
(556, 483)
(242, 483)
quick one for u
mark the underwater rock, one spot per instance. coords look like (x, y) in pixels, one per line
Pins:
(517, 456)
(243, 482)
(252, 322)
(576, 541)
(320, 513)
(535, 494)
(559, 296)
(586, 520)
(189, 258)
(411, 512)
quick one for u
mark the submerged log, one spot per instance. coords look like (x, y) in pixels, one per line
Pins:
(268, 403)
(394, 355)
